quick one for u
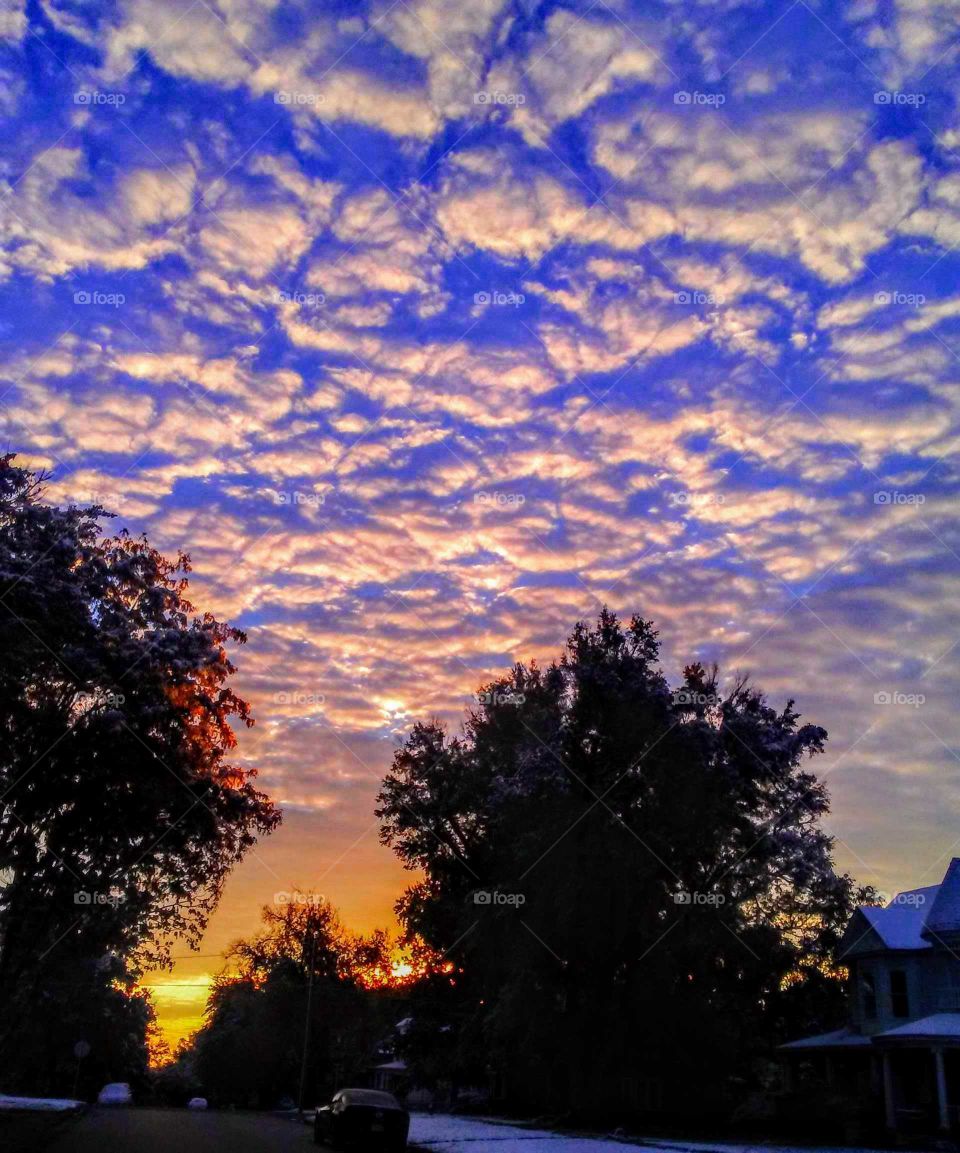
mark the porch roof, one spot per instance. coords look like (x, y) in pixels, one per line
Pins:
(943, 1027)
(838, 1039)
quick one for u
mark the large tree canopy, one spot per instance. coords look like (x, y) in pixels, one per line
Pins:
(626, 878)
(121, 810)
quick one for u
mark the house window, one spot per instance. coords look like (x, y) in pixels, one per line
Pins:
(899, 1000)
(868, 991)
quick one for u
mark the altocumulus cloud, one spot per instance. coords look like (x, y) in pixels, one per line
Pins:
(428, 328)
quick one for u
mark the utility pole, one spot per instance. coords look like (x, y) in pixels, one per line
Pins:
(306, 1026)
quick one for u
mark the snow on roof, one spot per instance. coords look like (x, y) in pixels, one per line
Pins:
(944, 914)
(902, 923)
(38, 1104)
(937, 1025)
(899, 927)
(838, 1039)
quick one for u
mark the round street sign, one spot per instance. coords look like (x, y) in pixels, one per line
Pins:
(81, 1050)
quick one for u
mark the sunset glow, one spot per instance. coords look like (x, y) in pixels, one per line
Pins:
(427, 328)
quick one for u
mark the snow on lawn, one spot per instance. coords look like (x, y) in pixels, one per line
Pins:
(446, 1134)
(37, 1104)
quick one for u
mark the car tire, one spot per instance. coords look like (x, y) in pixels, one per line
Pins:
(317, 1135)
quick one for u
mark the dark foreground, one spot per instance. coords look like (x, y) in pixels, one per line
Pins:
(179, 1131)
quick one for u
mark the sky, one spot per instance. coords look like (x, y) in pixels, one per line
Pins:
(428, 327)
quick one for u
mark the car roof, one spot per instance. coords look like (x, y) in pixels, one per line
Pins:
(368, 1097)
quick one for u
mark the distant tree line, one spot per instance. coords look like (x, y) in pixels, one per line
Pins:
(297, 1014)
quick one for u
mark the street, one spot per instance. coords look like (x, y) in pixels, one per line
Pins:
(179, 1131)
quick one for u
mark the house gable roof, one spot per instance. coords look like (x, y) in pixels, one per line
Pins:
(943, 918)
(914, 919)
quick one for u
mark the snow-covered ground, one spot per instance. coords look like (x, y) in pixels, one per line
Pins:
(38, 1104)
(446, 1134)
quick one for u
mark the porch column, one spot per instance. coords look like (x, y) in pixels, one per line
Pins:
(889, 1101)
(943, 1105)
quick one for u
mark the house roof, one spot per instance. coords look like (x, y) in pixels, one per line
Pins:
(943, 1025)
(900, 924)
(917, 917)
(943, 917)
(838, 1039)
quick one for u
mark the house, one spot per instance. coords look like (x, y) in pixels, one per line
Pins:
(902, 1041)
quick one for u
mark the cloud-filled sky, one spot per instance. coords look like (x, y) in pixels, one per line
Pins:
(427, 327)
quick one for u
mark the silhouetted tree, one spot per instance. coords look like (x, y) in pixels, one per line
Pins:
(250, 1050)
(121, 811)
(624, 877)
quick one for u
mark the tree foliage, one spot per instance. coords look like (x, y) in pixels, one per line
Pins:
(297, 985)
(625, 877)
(122, 812)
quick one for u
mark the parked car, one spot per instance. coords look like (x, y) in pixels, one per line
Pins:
(197, 1103)
(116, 1093)
(362, 1117)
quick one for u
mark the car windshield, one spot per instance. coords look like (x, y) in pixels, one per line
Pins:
(369, 1097)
